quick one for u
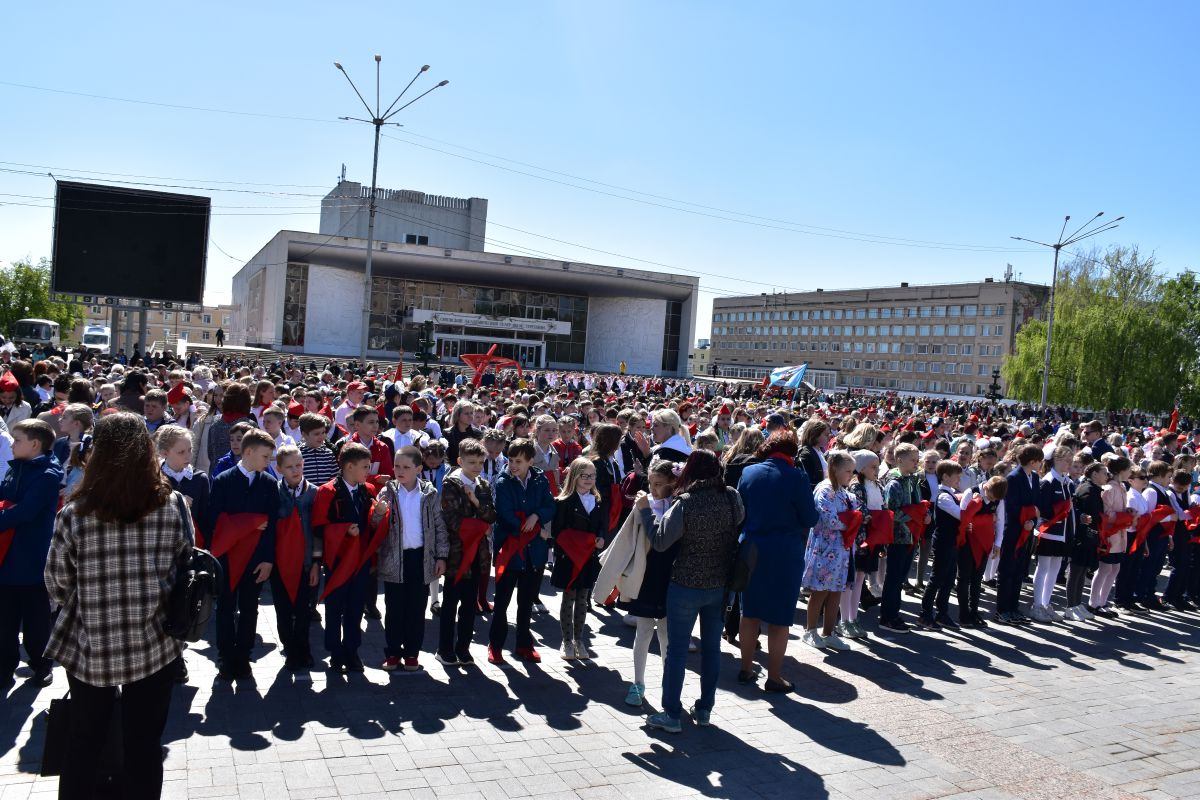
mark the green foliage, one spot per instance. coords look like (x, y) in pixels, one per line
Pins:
(1124, 337)
(25, 293)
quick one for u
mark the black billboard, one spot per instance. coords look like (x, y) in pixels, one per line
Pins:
(129, 243)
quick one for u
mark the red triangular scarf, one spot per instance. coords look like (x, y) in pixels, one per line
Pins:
(1027, 513)
(345, 555)
(514, 544)
(1147, 522)
(789, 460)
(916, 519)
(1120, 522)
(579, 547)
(982, 536)
(968, 516)
(852, 519)
(7, 536)
(289, 552)
(1194, 518)
(237, 535)
(881, 527)
(1062, 509)
(471, 531)
(615, 506)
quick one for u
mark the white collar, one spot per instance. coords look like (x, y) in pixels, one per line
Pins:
(183, 475)
(250, 476)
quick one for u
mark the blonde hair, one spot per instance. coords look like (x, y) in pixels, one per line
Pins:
(668, 417)
(835, 460)
(570, 483)
(167, 436)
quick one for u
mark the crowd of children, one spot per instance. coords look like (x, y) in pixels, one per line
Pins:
(321, 488)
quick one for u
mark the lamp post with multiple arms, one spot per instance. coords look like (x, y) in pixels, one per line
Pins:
(1089, 229)
(378, 119)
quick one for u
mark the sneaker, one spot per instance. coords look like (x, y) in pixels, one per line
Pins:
(702, 717)
(945, 621)
(528, 654)
(1155, 604)
(844, 629)
(446, 659)
(836, 642)
(581, 651)
(495, 656)
(373, 613)
(1072, 615)
(992, 583)
(1082, 613)
(868, 601)
(859, 632)
(568, 651)
(747, 676)
(1134, 607)
(928, 623)
(1020, 619)
(663, 722)
(1055, 616)
(635, 695)
(391, 664)
(42, 677)
(435, 609)
(539, 608)
(896, 626)
(1103, 613)
(412, 665)
(354, 664)
(464, 658)
(813, 639)
(1040, 614)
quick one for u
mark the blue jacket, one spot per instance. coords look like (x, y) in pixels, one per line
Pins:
(304, 503)
(32, 487)
(231, 494)
(778, 498)
(532, 498)
(1020, 494)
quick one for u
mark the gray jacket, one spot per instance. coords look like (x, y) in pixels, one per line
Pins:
(437, 542)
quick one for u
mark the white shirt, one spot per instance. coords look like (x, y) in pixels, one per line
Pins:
(183, 474)
(588, 500)
(409, 503)
(249, 475)
(410, 438)
(946, 502)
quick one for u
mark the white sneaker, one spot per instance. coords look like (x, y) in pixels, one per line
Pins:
(813, 639)
(1054, 615)
(1083, 613)
(1040, 614)
(581, 650)
(1071, 615)
(836, 642)
(568, 651)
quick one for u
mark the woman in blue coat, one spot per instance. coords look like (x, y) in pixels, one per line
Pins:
(779, 513)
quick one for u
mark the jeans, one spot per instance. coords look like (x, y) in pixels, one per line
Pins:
(525, 583)
(683, 606)
(24, 610)
(237, 619)
(144, 705)
(404, 620)
(899, 559)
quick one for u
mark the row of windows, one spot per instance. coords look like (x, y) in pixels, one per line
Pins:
(866, 347)
(949, 368)
(916, 386)
(859, 330)
(896, 312)
(167, 316)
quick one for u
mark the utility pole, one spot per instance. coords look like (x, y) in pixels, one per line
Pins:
(1085, 231)
(378, 120)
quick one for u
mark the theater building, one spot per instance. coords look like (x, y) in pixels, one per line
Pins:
(303, 292)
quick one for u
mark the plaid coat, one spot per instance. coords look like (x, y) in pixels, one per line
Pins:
(112, 581)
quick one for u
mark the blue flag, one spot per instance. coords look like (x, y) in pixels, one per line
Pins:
(788, 377)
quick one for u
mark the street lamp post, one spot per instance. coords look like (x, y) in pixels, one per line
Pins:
(378, 120)
(1085, 231)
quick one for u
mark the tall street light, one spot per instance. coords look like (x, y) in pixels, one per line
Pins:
(1086, 231)
(378, 119)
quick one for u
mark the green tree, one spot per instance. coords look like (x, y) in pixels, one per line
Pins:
(25, 292)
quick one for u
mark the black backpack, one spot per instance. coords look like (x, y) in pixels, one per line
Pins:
(193, 597)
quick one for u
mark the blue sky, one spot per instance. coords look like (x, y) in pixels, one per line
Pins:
(811, 127)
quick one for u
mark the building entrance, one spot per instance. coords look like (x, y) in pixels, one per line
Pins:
(529, 354)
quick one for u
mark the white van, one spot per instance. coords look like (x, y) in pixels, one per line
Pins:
(97, 339)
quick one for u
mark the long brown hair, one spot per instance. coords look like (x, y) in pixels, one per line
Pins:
(121, 481)
(606, 438)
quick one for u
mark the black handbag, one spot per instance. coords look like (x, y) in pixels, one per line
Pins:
(744, 561)
(112, 751)
(193, 597)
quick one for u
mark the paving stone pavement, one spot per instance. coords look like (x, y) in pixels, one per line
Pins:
(1075, 710)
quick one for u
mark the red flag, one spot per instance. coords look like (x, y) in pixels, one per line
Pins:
(514, 544)
(471, 530)
(881, 528)
(399, 376)
(916, 519)
(289, 552)
(852, 519)
(1147, 522)
(579, 547)
(1062, 509)
(237, 535)
(1027, 513)
(7, 536)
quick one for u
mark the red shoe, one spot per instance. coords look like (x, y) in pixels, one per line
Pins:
(495, 656)
(391, 663)
(528, 654)
(412, 665)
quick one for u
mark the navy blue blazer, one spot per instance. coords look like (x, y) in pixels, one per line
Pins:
(1020, 494)
(231, 493)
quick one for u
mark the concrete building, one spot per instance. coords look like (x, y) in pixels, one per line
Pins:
(166, 326)
(946, 339)
(699, 358)
(303, 293)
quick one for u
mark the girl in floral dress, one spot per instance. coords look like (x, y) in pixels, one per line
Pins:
(826, 558)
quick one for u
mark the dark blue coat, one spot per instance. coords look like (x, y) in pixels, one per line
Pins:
(197, 488)
(1020, 494)
(778, 498)
(532, 498)
(232, 494)
(32, 487)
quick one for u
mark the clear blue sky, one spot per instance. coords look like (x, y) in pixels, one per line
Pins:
(941, 122)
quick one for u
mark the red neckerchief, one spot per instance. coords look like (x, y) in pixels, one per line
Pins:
(232, 416)
(791, 461)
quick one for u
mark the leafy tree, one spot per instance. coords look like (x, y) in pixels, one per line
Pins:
(25, 292)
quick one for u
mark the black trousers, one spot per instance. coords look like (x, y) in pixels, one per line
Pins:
(458, 613)
(404, 616)
(1127, 578)
(24, 618)
(525, 583)
(237, 619)
(1181, 567)
(143, 711)
(293, 619)
(344, 613)
(1011, 572)
(941, 582)
(1193, 582)
(970, 578)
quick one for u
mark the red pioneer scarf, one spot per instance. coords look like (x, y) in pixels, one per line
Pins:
(237, 535)
(471, 531)
(579, 547)
(1120, 522)
(916, 519)
(1061, 510)
(289, 552)
(1147, 522)
(515, 543)
(346, 555)
(968, 516)
(852, 519)
(616, 504)
(1027, 513)
(881, 528)
(6, 536)
(789, 460)
(977, 530)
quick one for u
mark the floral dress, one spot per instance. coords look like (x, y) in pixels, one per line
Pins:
(826, 559)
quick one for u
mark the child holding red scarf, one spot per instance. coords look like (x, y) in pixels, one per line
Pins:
(578, 530)
(469, 511)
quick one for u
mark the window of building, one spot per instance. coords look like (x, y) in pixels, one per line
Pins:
(885, 313)
(910, 330)
(166, 333)
(857, 364)
(835, 347)
(168, 316)
(939, 311)
(906, 366)
(968, 330)
(908, 349)
(983, 369)
(922, 348)
(939, 330)
(870, 347)
(954, 311)
(985, 311)
(205, 335)
(868, 364)
(953, 330)
(872, 313)
(295, 305)
(413, 238)
(860, 330)
(825, 313)
(871, 330)
(999, 311)
(225, 320)
(860, 313)
(824, 347)
(950, 368)
(845, 363)
(985, 330)
(970, 311)
(924, 330)
(998, 330)
(894, 366)
(964, 369)
(966, 349)
(858, 347)
(935, 386)
(926, 311)
(837, 313)
(920, 366)
(951, 349)
(935, 366)
(936, 349)
(920, 386)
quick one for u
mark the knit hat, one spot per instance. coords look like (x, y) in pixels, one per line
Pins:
(864, 459)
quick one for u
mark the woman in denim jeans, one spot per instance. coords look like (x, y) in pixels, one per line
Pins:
(704, 519)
